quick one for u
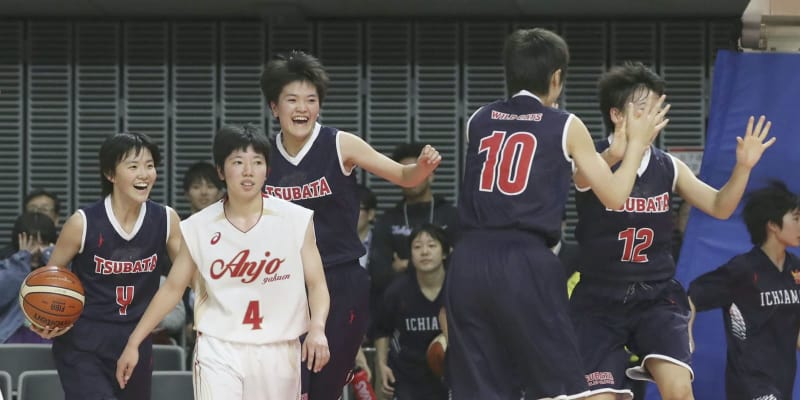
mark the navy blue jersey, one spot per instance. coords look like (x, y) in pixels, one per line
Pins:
(315, 178)
(761, 309)
(411, 322)
(633, 243)
(517, 171)
(121, 272)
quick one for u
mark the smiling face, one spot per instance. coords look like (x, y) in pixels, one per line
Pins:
(202, 193)
(244, 173)
(134, 175)
(297, 110)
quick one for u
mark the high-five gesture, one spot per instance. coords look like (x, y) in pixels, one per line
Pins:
(642, 126)
(750, 148)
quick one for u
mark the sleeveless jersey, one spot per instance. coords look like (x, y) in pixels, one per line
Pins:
(316, 179)
(517, 170)
(634, 243)
(120, 272)
(251, 287)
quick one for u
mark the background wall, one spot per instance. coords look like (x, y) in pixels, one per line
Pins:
(66, 84)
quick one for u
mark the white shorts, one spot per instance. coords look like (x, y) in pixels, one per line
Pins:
(241, 371)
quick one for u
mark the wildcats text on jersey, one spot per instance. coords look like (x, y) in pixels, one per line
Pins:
(111, 267)
(516, 117)
(646, 205)
(311, 190)
(241, 267)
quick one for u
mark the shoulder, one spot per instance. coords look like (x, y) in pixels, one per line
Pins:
(204, 216)
(284, 207)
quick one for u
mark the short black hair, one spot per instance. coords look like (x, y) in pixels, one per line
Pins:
(297, 66)
(230, 138)
(33, 224)
(407, 150)
(619, 83)
(201, 171)
(767, 205)
(367, 198)
(41, 192)
(116, 147)
(530, 57)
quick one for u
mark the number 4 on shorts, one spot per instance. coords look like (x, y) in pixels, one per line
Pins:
(253, 315)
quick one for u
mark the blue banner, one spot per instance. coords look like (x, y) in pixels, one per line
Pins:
(744, 84)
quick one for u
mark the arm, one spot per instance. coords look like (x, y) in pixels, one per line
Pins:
(721, 204)
(168, 295)
(175, 240)
(69, 241)
(13, 271)
(443, 321)
(692, 315)
(315, 347)
(173, 322)
(381, 357)
(611, 156)
(356, 152)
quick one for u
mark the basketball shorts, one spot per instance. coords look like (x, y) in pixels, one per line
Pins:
(86, 360)
(243, 371)
(613, 319)
(348, 285)
(509, 327)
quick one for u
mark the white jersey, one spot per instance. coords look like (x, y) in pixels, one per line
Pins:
(251, 286)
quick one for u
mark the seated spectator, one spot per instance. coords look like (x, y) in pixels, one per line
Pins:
(202, 186)
(32, 237)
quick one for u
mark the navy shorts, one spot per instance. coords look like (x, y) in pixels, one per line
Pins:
(650, 318)
(348, 285)
(507, 314)
(86, 360)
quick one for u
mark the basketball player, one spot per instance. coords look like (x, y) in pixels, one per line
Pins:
(312, 165)
(627, 294)
(251, 258)
(408, 318)
(506, 304)
(117, 247)
(757, 292)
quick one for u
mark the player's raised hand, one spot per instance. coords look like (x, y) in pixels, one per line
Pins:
(315, 350)
(642, 126)
(750, 148)
(429, 158)
(125, 364)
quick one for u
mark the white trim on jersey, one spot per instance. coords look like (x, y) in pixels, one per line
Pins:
(117, 226)
(303, 151)
(675, 167)
(564, 142)
(169, 222)
(345, 172)
(83, 234)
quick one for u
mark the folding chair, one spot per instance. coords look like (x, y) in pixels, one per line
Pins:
(167, 357)
(5, 385)
(18, 358)
(172, 385)
(40, 385)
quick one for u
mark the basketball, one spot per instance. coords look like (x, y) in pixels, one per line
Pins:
(436, 351)
(51, 297)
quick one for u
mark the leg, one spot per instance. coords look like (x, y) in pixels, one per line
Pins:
(213, 375)
(674, 381)
(347, 323)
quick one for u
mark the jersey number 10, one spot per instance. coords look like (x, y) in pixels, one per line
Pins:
(508, 162)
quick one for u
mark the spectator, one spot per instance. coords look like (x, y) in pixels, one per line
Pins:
(32, 237)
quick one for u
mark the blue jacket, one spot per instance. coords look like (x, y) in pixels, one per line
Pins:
(13, 271)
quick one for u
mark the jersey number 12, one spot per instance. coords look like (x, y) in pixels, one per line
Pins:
(632, 251)
(508, 162)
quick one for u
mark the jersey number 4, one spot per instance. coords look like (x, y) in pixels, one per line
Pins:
(634, 252)
(508, 162)
(253, 315)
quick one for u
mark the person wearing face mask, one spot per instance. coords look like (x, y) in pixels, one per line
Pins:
(408, 320)
(313, 165)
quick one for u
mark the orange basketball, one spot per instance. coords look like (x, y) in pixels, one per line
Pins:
(436, 351)
(51, 297)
